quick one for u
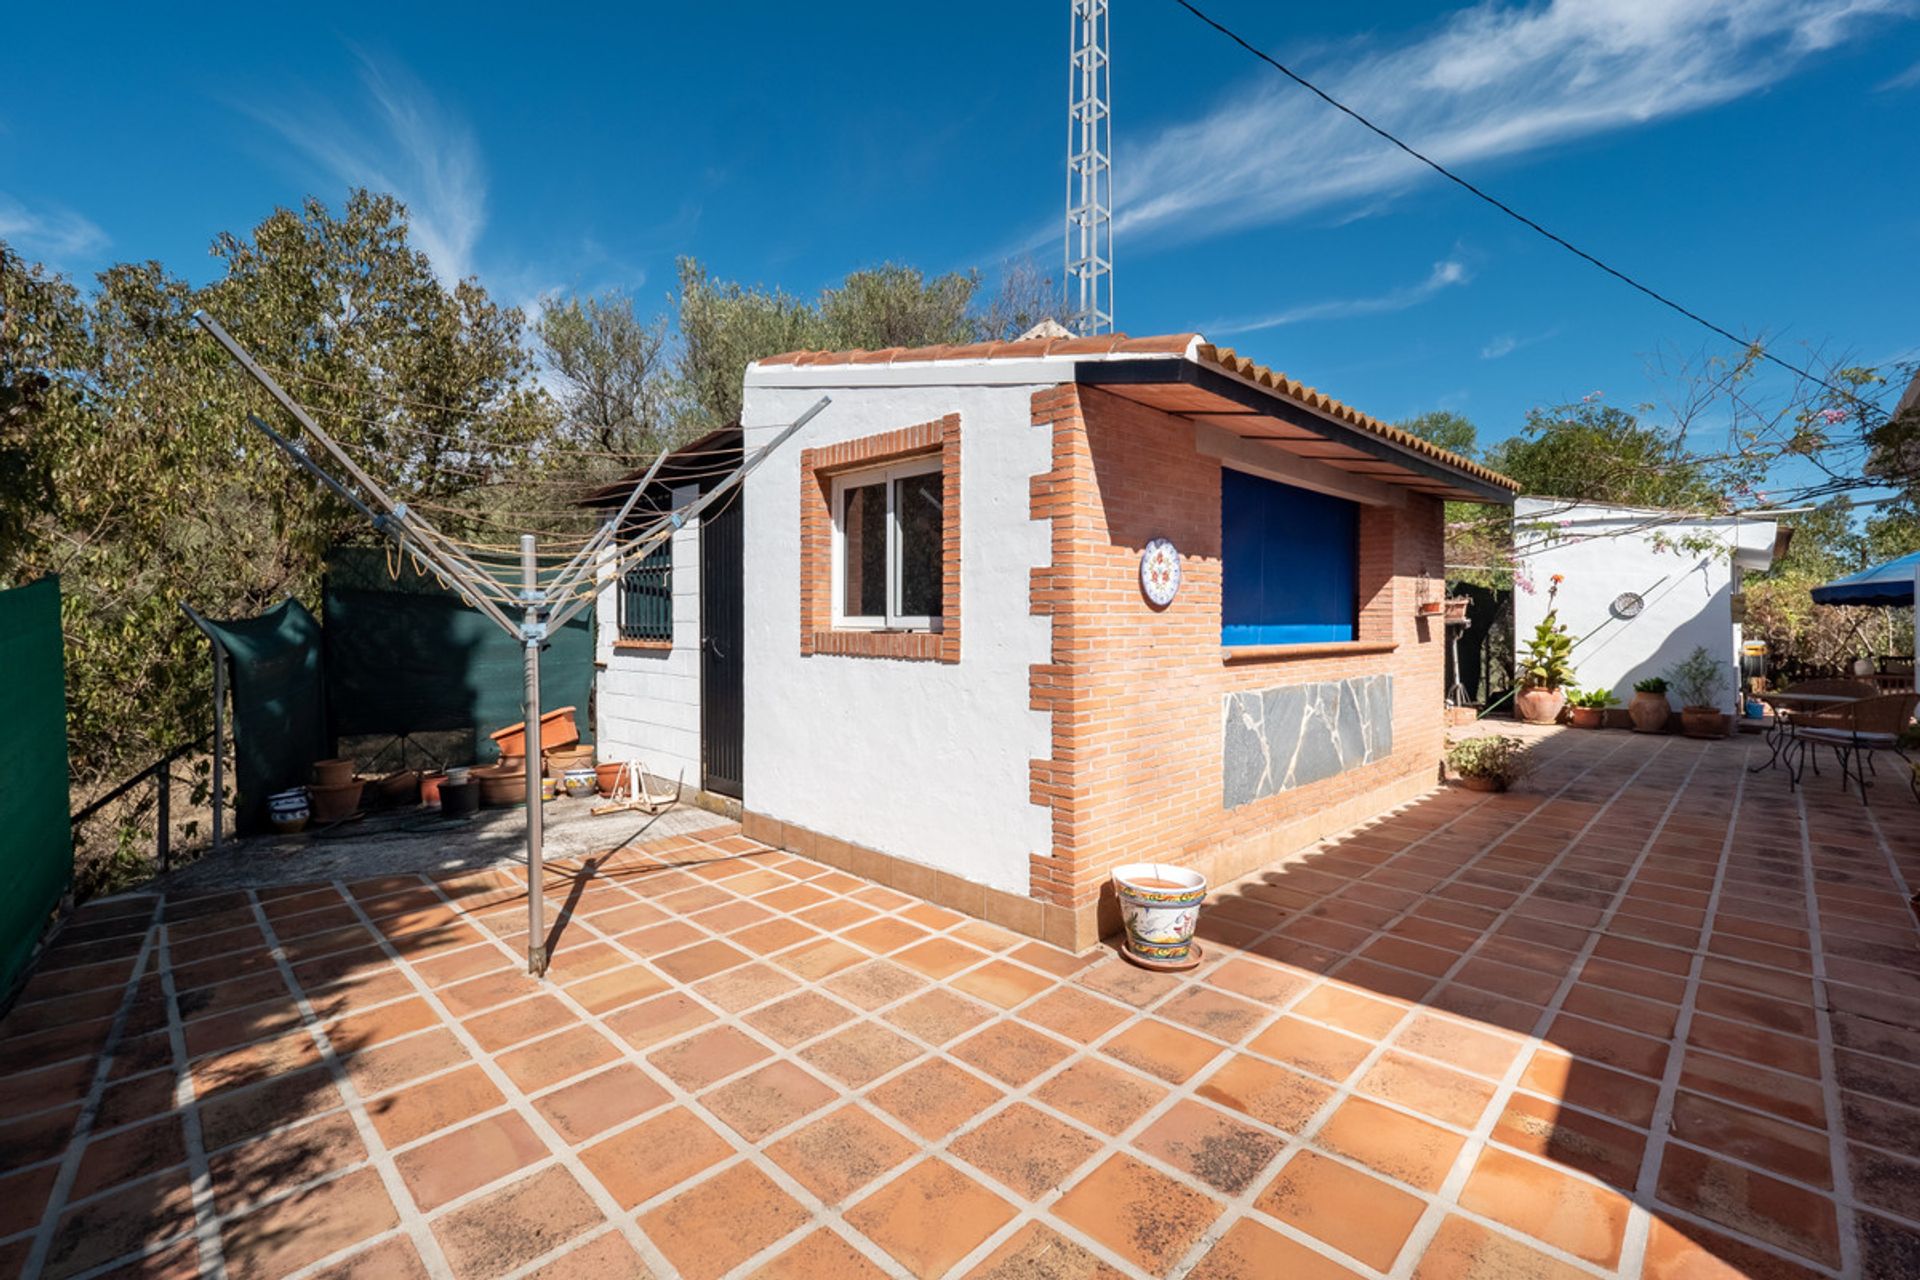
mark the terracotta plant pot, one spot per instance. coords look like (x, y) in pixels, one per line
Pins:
(1649, 712)
(1159, 906)
(511, 762)
(1482, 784)
(1539, 706)
(501, 788)
(401, 788)
(333, 773)
(1586, 717)
(1457, 608)
(557, 729)
(1703, 722)
(336, 804)
(430, 789)
(608, 776)
(568, 758)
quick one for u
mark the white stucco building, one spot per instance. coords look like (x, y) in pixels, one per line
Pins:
(1640, 590)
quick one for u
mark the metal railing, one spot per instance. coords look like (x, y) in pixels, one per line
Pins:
(161, 771)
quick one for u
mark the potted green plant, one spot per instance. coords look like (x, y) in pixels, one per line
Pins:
(1649, 709)
(1587, 709)
(1491, 763)
(1546, 669)
(1698, 679)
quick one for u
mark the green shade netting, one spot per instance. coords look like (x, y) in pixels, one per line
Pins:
(405, 656)
(36, 842)
(279, 705)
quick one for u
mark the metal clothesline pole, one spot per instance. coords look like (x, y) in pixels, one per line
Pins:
(533, 630)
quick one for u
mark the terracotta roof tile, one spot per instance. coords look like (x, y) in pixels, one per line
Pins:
(1173, 344)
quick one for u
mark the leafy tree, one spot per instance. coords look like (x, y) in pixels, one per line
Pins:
(616, 382)
(724, 327)
(1590, 452)
(44, 351)
(895, 306)
(1448, 430)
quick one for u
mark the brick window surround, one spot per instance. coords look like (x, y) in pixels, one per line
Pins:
(818, 467)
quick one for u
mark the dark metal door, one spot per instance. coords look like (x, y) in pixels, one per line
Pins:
(722, 629)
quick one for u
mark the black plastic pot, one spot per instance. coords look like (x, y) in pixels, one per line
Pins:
(462, 801)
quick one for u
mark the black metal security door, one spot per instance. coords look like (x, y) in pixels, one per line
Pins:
(722, 630)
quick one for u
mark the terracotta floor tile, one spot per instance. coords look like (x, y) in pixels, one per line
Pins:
(1223, 1017)
(1539, 1200)
(129, 1154)
(1611, 1046)
(307, 1226)
(1573, 1139)
(514, 1023)
(1755, 1044)
(793, 897)
(1751, 1203)
(701, 960)
(1684, 1251)
(1158, 1049)
(1003, 983)
(771, 1098)
(938, 1016)
(875, 983)
(836, 915)
(476, 995)
(659, 939)
(508, 1228)
(616, 986)
(593, 1105)
(799, 1017)
(1100, 1094)
(637, 1164)
(774, 935)
(1010, 1052)
(1561, 1077)
(988, 937)
(1457, 1045)
(1359, 1215)
(1332, 1054)
(24, 1196)
(1037, 1252)
(421, 1109)
(742, 988)
(1210, 1145)
(1789, 1096)
(1026, 1150)
(1349, 1010)
(466, 1159)
(1432, 1090)
(648, 1023)
(1125, 982)
(934, 1098)
(1263, 983)
(559, 1057)
(1079, 1016)
(1250, 1251)
(1464, 1250)
(939, 958)
(394, 1258)
(701, 1060)
(1138, 1212)
(730, 916)
(1391, 1142)
(840, 1153)
(823, 1255)
(1775, 1145)
(227, 1118)
(860, 1054)
(605, 1256)
(253, 1170)
(884, 935)
(715, 1226)
(930, 1217)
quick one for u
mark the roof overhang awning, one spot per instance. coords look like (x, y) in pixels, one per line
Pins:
(1889, 584)
(1207, 394)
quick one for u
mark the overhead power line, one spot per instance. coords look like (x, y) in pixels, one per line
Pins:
(1508, 209)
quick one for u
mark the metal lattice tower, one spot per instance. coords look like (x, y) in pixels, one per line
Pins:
(1089, 257)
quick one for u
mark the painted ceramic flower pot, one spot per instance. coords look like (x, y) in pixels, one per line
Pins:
(287, 811)
(1159, 906)
(579, 783)
(1538, 705)
(1649, 712)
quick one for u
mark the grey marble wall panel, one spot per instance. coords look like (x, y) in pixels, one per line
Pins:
(1277, 739)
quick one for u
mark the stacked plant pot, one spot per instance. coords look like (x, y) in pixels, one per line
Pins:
(335, 793)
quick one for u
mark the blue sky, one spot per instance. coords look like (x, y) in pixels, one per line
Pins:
(1757, 159)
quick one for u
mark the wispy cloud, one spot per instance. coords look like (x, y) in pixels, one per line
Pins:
(1904, 80)
(410, 144)
(1445, 275)
(51, 232)
(1495, 80)
(1505, 344)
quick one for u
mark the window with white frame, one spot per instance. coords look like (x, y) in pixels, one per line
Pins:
(888, 542)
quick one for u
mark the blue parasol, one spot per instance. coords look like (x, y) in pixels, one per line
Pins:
(1888, 584)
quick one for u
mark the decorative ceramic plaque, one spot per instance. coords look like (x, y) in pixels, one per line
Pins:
(1160, 572)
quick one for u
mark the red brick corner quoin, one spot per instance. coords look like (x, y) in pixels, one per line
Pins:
(818, 467)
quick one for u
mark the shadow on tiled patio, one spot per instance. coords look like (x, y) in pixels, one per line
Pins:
(1651, 1015)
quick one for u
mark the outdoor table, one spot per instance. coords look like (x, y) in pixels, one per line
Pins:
(1783, 706)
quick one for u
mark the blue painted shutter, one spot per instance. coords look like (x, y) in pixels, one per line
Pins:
(1289, 563)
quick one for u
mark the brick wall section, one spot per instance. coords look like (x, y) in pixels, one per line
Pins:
(818, 467)
(1136, 693)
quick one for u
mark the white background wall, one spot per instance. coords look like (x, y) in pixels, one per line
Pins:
(648, 700)
(1604, 551)
(922, 760)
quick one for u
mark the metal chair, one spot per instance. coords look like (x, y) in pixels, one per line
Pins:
(1855, 732)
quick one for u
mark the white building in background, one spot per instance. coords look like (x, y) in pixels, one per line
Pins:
(1640, 589)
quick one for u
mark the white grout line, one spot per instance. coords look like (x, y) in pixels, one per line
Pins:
(207, 1231)
(377, 1154)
